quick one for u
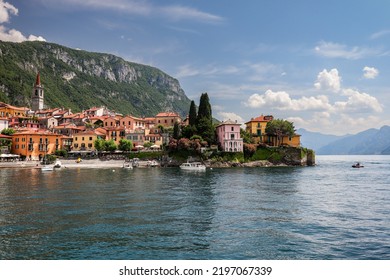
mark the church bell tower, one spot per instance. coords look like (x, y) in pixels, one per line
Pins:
(37, 95)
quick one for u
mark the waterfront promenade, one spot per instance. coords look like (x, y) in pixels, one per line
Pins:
(66, 163)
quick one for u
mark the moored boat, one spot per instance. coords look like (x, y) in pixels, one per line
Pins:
(193, 166)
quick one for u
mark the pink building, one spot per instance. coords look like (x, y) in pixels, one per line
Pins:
(228, 133)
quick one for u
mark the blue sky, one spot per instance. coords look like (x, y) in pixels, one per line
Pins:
(322, 64)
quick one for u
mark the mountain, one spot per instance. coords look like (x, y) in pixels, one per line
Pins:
(316, 140)
(79, 80)
(369, 142)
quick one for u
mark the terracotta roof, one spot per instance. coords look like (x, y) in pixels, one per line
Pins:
(5, 136)
(167, 114)
(262, 119)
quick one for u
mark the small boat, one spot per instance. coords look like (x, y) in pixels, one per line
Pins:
(57, 164)
(48, 168)
(127, 165)
(193, 166)
(357, 165)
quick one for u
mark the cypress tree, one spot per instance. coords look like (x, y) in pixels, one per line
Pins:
(192, 114)
(204, 107)
(204, 120)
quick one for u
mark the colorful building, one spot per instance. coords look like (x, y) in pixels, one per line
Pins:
(167, 119)
(229, 136)
(256, 126)
(84, 141)
(34, 145)
(8, 111)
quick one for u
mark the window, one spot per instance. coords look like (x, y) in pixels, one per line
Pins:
(90, 138)
(232, 128)
(232, 136)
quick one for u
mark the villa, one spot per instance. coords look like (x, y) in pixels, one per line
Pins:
(229, 138)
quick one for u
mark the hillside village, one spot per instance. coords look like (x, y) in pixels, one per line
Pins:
(40, 131)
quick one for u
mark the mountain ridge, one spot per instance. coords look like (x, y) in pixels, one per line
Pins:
(79, 79)
(371, 141)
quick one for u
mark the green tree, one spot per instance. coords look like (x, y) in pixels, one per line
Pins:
(206, 129)
(204, 120)
(99, 144)
(192, 114)
(176, 131)
(204, 110)
(280, 128)
(8, 131)
(110, 145)
(246, 136)
(188, 131)
(125, 145)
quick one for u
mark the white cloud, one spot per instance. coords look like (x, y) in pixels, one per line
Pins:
(12, 35)
(186, 71)
(16, 36)
(224, 116)
(370, 72)
(358, 102)
(178, 13)
(379, 34)
(5, 10)
(334, 50)
(281, 100)
(328, 80)
(145, 8)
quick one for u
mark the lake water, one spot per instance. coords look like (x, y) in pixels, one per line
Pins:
(330, 211)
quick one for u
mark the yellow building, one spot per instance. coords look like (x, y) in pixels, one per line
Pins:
(7, 111)
(167, 119)
(84, 141)
(256, 127)
(294, 141)
(34, 145)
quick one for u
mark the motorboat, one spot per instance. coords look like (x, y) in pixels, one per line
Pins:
(357, 165)
(48, 168)
(57, 164)
(193, 166)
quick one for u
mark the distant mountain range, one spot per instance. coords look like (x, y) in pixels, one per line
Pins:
(369, 142)
(79, 80)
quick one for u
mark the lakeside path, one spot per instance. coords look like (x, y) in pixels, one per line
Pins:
(91, 163)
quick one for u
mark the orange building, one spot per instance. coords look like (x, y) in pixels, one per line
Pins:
(33, 145)
(167, 119)
(7, 111)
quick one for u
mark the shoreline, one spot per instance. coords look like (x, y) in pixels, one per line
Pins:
(99, 164)
(66, 163)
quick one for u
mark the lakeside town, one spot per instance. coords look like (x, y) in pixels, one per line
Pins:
(31, 134)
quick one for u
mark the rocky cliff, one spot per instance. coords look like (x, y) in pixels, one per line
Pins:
(79, 79)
